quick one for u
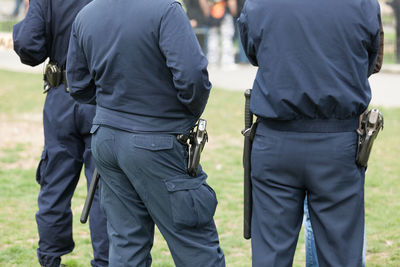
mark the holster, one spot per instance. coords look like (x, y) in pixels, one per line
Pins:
(371, 123)
(54, 76)
(196, 141)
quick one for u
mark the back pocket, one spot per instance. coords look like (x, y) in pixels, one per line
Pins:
(153, 142)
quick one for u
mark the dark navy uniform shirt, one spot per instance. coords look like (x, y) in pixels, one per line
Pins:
(141, 63)
(314, 56)
(45, 31)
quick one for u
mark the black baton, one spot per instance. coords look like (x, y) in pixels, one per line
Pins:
(247, 209)
(90, 196)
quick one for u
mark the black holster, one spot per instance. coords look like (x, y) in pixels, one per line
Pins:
(54, 76)
(196, 141)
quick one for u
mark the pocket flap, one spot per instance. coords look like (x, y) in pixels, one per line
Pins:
(153, 142)
(41, 167)
(94, 128)
(44, 154)
(185, 183)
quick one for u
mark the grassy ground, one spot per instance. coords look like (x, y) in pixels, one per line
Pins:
(6, 26)
(21, 142)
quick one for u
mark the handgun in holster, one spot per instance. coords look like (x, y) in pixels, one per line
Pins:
(197, 139)
(371, 123)
(53, 76)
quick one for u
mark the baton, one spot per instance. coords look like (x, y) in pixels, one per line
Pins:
(90, 196)
(247, 203)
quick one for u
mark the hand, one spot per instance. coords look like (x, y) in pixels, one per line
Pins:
(193, 22)
(26, 2)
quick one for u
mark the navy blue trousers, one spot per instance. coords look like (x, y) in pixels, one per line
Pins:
(66, 149)
(311, 251)
(144, 182)
(287, 164)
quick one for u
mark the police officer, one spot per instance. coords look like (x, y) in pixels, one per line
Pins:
(314, 59)
(311, 253)
(140, 62)
(44, 33)
(198, 11)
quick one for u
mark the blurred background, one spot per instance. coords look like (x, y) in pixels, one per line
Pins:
(208, 23)
(214, 22)
(21, 143)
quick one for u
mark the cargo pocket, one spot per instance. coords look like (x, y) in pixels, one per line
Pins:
(41, 167)
(193, 201)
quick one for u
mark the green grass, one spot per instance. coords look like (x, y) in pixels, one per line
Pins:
(389, 56)
(21, 94)
(388, 19)
(390, 37)
(11, 155)
(7, 26)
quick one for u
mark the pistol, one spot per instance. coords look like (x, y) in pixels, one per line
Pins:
(197, 140)
(371, 123)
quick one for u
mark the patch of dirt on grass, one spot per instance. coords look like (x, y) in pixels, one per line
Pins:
(6, 41)
(25, 130)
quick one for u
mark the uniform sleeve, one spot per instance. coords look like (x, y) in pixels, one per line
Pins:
(29, 35)
(185, 59)
(247, 41)
(81, 85)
